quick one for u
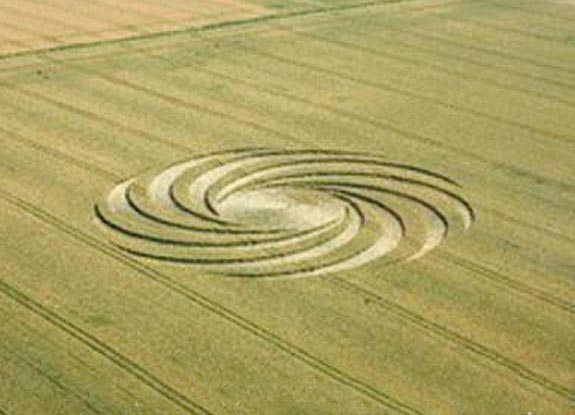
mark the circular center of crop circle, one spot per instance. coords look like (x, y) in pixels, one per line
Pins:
(282, 208)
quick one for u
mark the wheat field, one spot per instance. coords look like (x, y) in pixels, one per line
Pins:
(287, 208)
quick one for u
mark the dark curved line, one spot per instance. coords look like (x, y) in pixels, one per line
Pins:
(154, 218)
(415, 199)
(209, 205)
(341, 157)
(328, 186)
(207, 201)
(377, 203)
(183, 208)
(348, 157)
(392, 177)
(356, 209)
(376, 160)
(339, 261)
(178, 242)
(249, 153)
(221, 261)
(429, 206)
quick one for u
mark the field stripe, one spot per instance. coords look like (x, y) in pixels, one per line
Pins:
(439, 68)
(93, 342)
(446, 40)
(97, 345)
(335, 110)
(273, 17)
(386, 126)
(453, 337)
(53, 380)
(114, 178)
(488, 51)
(448, 334)
(525, 289)
(98, 119)
(537, 228)
(134, 130)
(89, 167)
(228, 24)
(426, 38)
(238, 120)
(139, 132)
(129, 43)
(201, 108)
(442, 53)
(193, 296)
(510, 283)
(499, 29)
(522, 9)
(404, 92)
(503, 29)
(153, 93)
(272, 91)
(80, 361)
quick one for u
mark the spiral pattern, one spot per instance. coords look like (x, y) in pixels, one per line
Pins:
(269, 213)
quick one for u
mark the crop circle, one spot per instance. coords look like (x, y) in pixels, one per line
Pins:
(277, 213)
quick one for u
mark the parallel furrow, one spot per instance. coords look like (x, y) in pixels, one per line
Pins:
(451, 336)
(435, 328)
(193, 296)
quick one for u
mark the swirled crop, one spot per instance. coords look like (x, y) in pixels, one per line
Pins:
(270, 213)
